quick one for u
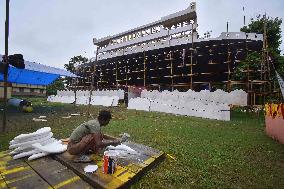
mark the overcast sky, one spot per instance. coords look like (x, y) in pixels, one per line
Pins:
(50, 32)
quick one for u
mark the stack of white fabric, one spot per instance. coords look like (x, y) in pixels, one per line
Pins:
(35, 145)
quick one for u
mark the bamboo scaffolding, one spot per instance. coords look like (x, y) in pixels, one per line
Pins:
(196, 69)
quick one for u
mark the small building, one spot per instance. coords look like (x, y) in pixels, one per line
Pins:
(28, 90)
(9, 90)
(15, 89)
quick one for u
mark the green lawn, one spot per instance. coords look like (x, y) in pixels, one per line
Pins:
(208, 153)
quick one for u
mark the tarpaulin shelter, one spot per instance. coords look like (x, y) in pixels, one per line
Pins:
(34, 74)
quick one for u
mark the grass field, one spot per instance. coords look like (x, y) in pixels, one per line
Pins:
(207, 153)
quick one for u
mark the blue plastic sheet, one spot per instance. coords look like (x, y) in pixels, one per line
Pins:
(29, 77)
(34, 74)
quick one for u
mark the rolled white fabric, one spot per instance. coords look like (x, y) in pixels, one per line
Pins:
(28, 148)
(52, 148)
(36, 133)
(29, 143)
(38, 155)
(25, 154)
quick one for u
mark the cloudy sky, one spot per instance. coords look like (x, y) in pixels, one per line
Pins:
(50, 32)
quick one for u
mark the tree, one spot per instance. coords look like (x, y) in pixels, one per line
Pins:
(273, 27)
(280, 65)
(251, 63)
(73, 64)
(253, 60)
(53, 87)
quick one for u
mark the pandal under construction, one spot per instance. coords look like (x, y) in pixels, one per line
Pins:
(169, 54)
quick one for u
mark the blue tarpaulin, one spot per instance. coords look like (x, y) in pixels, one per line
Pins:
(34, 74)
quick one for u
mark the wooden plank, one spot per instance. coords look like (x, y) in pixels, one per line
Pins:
(152, 162)
(146, 150)
(57, 175)
(18, 174)
(3, 184)
(4, 154)
(49, 173)
(27, 179)
(128, 169)
(97, 180)
(9, 163)
(41, 173)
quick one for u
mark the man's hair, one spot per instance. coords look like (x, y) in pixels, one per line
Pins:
(104, 115)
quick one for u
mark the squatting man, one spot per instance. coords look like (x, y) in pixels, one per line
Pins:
(88, 136)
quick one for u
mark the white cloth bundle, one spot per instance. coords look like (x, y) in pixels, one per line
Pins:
(122, 150)
(37, 144)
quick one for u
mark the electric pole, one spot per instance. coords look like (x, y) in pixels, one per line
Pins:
(6, 65)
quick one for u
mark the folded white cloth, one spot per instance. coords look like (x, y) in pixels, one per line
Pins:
(90, 168)
(36, 144)
(122, 150)
(55, 147)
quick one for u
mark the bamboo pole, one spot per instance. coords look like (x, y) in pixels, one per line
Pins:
(248, 76)
(75, 92)
(265, 47)
(144, 70)
(191, 58)
(116, 76)
(172, 79)
(266, 55)
(227, 27)
(101, 80)
(229, 70)
(93, 80)
(126, 74)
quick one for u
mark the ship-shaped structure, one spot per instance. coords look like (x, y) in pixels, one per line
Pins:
(169, 54)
